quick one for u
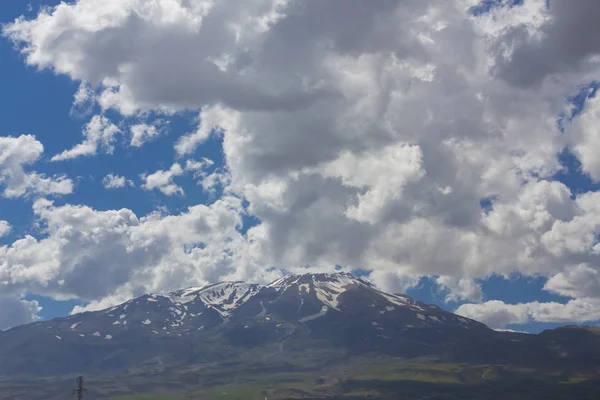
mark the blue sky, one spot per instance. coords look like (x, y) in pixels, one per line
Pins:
(27, 92)
(39, 102)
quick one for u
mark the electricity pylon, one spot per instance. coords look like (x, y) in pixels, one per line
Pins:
(80, 389)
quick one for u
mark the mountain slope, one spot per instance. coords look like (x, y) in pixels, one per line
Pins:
(312, 318)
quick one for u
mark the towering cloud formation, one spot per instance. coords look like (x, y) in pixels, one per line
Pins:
(364, 134)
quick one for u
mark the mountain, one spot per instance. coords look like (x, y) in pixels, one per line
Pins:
(348, 311)
(296, 324)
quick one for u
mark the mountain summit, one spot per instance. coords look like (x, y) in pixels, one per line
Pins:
(295, 299)
(313, 315)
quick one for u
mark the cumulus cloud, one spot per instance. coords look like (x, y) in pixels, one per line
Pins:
(556, 39)
(575, 238)
(578, 281)
(585, 138)
(91, 255)
(382, 176)
(5, 228)
(460, 289)
(142, 133)
(17, 153)
(17, 312)
(210, 119)
(99, 135)
(392, 282)
(163, 180)
(370, 139)
(497, 314)
(112, 181)
(83, 100)
(211, 181)
(174, 27)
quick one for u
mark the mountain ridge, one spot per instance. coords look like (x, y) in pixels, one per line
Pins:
(298, 323)
(340, 309)
(312, 293)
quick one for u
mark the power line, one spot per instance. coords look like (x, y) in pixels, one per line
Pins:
(80, 389)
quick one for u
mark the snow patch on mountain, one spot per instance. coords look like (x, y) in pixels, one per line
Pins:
(223, 297)
(226, 296)
(327, 287)
(291, 298)
(401, 301)
(315, 316)
(263, 312)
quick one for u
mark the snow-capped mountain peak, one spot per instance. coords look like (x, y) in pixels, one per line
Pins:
(337, 278)
(223, 296)
(199, 326)
(320, 302)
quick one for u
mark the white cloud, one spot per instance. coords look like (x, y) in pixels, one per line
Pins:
(218, 179)
(17, 312)
(91, 255)
(212, 181)
(143, 133)
(392, 282)
(198, 166)
(16, 153)
(99, 135)
(83, 100)
(163, 180)
(388, 118)
(575, 238)
(577, 281)
(546, 42)
(120, 297)
(497, 314)
(369, 139)
(381, 175)
(173, 26)
(5, 228)
(538, 206)
(112, 181)
(210, 119)
(585, 138)
(460, 289)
